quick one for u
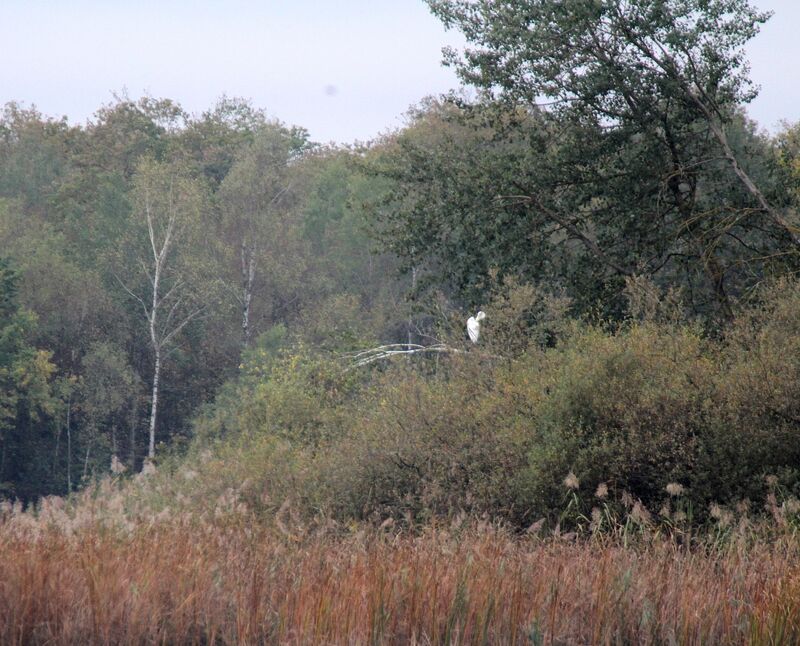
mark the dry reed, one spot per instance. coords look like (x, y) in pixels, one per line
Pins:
(232, 581)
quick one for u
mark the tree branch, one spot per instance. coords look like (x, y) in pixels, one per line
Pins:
(590, 244)
(131, 293)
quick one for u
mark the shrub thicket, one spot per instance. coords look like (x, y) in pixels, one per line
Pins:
(629, 410)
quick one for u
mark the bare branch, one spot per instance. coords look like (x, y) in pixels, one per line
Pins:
(150, 228)
(170, 314)
(188, 319)
(372, 355)
(178, 284)
(146, 270)
(132, 294)
(276, 198)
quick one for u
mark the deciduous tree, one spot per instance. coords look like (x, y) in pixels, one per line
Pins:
(259, 223)
(163, 258)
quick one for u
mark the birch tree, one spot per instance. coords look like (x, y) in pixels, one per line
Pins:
(162, 277)
(261, 235)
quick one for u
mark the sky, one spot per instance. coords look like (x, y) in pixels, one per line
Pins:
(347, 70)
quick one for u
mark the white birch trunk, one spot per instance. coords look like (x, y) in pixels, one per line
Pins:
(248, 278)
(165, 312)
(155, 340)
(151, 449)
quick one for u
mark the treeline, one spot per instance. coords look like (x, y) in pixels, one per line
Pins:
(143, 253)
(604, 172)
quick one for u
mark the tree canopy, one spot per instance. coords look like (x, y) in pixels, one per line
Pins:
(608, 136)
(161, 267)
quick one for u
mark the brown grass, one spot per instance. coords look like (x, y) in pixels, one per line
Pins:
(188, 581)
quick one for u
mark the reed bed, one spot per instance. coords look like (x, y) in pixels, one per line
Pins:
(186, 581)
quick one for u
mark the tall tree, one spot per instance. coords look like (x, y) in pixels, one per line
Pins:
(212, 141)
(34, 156)
(637, 152)
(26, 397)
(258, 221)
(671, 62)
(168, 207)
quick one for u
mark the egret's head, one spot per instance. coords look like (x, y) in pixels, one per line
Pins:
(480, 316)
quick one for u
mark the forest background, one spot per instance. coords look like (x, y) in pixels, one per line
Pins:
(174, 284)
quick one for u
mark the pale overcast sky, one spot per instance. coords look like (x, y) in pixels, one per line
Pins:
(344, 69)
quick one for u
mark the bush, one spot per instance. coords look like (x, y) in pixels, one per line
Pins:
(420, 446)
(622, 409)
(636, 408)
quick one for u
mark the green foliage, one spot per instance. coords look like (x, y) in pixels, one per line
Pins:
(285, 390)
(629, 215)
(105, 396)
(349, 278)
(788, 154)
(32, 156)
(488, 189)
(624, 409)
(631, 410)
(262, 248)
(606, 55)
(524, 316)
(607, 142)
(420, 447)
(26, 397)
(213, 141)
(73, 205)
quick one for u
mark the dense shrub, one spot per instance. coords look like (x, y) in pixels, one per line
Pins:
(629, 410)
(622, 409)
(419, 446)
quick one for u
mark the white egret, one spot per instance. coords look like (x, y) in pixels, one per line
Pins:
(474, 326)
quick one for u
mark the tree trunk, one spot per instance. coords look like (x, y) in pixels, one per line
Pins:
(156, 341)
(722, 138)
(69, 445)
(248, 278)
(151, 450)
(86, 463)
(134, 421)
(716, 276)
(57, 449)
(3, 459)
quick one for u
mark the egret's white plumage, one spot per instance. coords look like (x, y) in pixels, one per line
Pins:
(474, 326)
